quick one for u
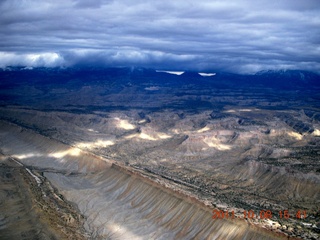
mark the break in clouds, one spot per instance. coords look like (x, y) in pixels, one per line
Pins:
(239, 35)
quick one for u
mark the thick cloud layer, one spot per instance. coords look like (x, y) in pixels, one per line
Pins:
(207, 35)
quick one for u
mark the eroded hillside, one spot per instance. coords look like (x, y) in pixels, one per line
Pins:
(234, 147)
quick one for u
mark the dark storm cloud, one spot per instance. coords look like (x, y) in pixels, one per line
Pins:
(237, 35)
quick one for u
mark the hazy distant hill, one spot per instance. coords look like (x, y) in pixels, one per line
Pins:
(66, 86)
(287, 79)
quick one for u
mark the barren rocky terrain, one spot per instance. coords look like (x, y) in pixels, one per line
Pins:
(32, 209)
(147, 155)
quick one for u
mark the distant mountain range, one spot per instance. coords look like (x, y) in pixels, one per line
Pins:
(282, 80)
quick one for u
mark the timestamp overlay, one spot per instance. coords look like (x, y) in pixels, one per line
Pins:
(262, 214)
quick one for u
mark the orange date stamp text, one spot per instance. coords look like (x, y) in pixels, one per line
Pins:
(262, 214)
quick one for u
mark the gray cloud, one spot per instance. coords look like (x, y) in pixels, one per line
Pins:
(237, 35)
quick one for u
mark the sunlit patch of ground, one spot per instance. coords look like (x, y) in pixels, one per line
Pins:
(98, 143)
(216, 143)
(154, 137)
(70, 152)
(27, 155)
(124, 124)
(316, 132)
(295, 135)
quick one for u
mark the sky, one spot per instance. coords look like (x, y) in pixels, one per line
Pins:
(242, 36)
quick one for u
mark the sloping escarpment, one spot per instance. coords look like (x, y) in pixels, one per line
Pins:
(15, 205)
(30, 208)
(118, 204)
